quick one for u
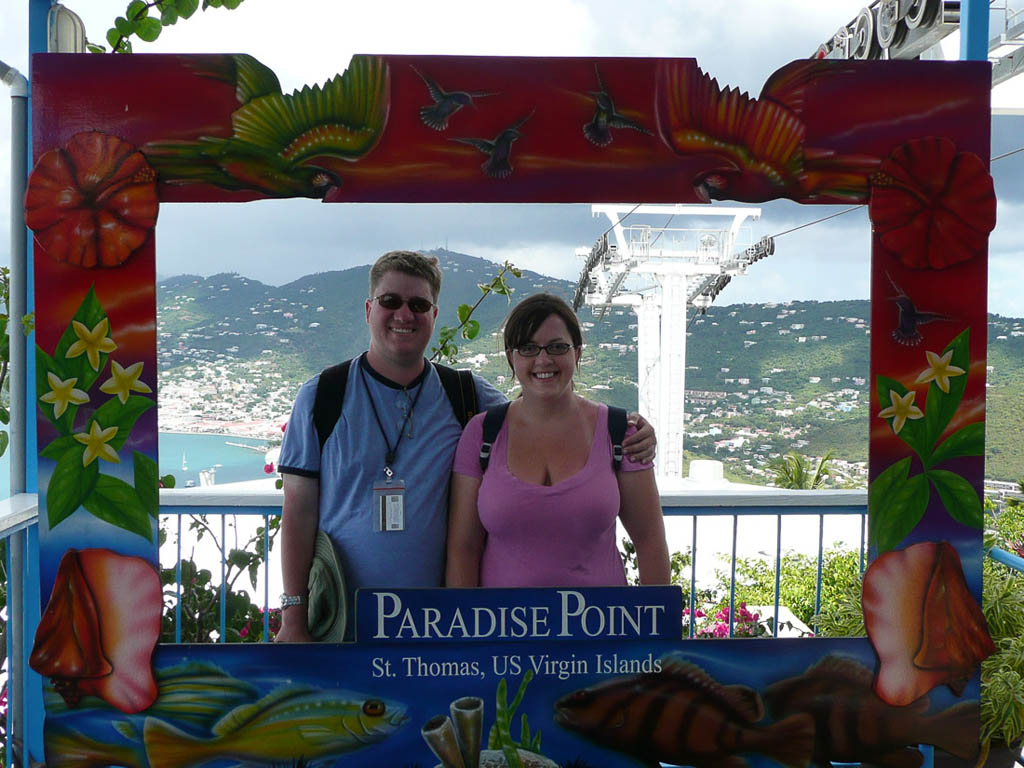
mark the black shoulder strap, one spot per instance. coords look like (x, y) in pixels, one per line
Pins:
(617, 432)
(461, 391)
(330, 395)
(492, 426)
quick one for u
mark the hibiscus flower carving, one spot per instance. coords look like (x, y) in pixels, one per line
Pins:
(932, 206)
(92, 202)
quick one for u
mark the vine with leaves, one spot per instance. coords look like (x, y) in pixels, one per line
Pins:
(468, 328)
(137, 21)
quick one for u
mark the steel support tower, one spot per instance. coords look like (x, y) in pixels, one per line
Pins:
(661, 272)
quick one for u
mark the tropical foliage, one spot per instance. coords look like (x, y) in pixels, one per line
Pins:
(138, 22)
(793, 471)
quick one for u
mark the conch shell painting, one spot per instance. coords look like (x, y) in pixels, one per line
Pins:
(101, 624)
(925, 626)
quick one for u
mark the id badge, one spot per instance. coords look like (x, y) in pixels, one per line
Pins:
(389, 505)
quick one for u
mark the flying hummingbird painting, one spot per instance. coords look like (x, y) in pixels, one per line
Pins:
(755, 150)
(598, 130)
(283, 144)
(446, 103)
(909, 317)
(498, 164)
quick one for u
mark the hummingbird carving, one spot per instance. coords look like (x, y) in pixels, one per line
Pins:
(909, 317)
(282, 144)
(446, 103)
(498, 164)
(598, 130)
(754, 150)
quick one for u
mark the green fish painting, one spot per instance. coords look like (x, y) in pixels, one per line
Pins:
(285, 725)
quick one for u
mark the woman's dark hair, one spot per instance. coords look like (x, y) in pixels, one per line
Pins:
(528, 315)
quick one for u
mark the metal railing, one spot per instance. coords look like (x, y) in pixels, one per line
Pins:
(733, 505)
(777, 503)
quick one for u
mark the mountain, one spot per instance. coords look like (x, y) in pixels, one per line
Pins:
(794, 375)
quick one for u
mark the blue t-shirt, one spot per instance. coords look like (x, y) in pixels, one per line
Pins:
(353, 460)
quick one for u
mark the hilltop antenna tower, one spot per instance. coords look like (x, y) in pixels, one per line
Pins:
(660, 272)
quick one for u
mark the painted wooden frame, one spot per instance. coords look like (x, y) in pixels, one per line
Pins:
(115, 137)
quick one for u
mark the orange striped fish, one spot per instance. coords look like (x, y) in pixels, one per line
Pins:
(680, 715)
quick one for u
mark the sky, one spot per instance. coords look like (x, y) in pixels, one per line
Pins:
(740, 42)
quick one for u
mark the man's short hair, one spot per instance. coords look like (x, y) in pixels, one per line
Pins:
(409, 263)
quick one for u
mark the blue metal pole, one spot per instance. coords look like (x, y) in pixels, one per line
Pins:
(973, 30)
(32, 738)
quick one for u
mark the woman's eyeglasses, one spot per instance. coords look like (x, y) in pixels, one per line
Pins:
(554, 349)
(393, 301)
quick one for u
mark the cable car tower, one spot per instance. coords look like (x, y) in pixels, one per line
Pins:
(660, 272)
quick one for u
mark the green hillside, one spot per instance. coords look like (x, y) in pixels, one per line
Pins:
(794, 375)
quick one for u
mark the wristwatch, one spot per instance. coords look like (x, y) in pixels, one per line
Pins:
(287, 601)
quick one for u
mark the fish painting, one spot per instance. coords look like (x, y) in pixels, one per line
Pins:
(287, 724)
(682, 716)
(854, 725)
(68, 747)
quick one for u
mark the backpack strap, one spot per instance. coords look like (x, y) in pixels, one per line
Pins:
(492, 426)
(617, 432)
(461, 391)
(330, 395)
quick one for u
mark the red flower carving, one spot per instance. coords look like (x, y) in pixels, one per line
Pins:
(92, 202)
(932, 206)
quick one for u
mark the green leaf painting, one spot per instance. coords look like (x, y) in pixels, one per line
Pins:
(77, 376)
(958, 497)
(147, 482)
(969, 441)
(942, 404)
(897, 500)
(912, 429)
(70, 485)
(91, 317)
(117, 502)
(113, 414)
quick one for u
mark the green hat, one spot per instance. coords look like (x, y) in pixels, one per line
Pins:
(327, 609)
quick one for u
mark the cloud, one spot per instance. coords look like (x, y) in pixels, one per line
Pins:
(740, 43)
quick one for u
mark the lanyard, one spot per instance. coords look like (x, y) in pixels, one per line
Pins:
(389, 458)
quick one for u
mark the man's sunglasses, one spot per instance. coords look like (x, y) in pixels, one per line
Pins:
(393, 301)
(555, 349)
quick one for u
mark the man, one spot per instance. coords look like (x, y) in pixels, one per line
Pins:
(395, 438)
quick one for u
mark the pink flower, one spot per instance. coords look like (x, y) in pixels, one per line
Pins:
(269, 468)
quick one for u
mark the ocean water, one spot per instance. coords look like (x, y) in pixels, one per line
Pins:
(184, 455)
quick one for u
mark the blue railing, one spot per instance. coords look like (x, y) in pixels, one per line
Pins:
(178, 504)
(19, 532)
(760, 502)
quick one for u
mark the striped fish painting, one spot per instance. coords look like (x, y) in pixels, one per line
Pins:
(681, 715)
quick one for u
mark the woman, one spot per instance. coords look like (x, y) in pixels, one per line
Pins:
(544, 512)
